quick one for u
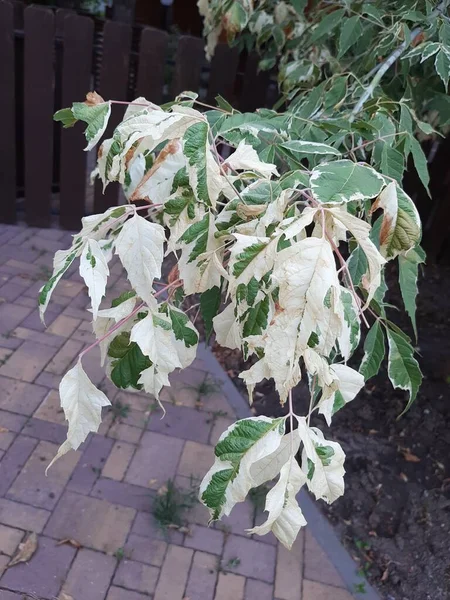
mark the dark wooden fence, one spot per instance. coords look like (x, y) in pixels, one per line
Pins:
(50, 59)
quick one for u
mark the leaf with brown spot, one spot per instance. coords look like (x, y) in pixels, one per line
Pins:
(25, 551)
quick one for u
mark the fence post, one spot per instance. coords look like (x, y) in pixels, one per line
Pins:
(78, 35)
(113, 86)
(152, 59)
(38, 111)
(7, 110)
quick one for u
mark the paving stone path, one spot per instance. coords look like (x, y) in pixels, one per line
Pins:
(98, 500)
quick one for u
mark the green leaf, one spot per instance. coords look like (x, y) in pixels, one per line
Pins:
(128, 362)
(294, 179)
(65, 115)
(351, 318)
(256, 321)
(420, 162)
(344, 181)
(201, 163)
(374, 351)
(196, 230)
(305, 147)
(123, 298)
(403, 368)
(408, 273)
(209, 307)
(392, 163)
(351, 31)
(186, 334)
(357, 265)
(231, 450)
(429, 50)
(442, 66)
(299, 5)
(96, 116)
(327, 24)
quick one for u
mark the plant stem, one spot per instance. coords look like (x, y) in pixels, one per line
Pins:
(381, 70)
(387, 64)
(125, 319)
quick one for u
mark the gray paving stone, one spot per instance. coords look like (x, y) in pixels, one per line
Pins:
(136, 576)
(20, 397)
(155, 461)
(90, 575)
(44, 574)
(256, 558)
(181, 422)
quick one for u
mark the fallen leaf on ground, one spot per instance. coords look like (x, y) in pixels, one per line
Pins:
(25, 551)
(409, 457)
(3, 430)
(385, 575)
(64, 596)
(70, 542)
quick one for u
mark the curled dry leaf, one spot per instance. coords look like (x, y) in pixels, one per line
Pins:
(92, 99)
(25, 551)
(70, 542)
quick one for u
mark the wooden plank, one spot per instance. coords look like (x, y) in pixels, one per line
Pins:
(38, 112)
(113, 86)
(7, 110)
(254, 87)
(188, 65)
(222, 76)
(76, 75)
(152, 59)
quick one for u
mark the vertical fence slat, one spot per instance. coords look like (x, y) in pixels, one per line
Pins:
(223, 73)
(113, 86)
(255, 85)
(152, 58)
(7, 110)
(188, 65)
(77, 58)
(38, 111)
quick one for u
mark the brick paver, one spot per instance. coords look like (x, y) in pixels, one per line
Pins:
(101, 497)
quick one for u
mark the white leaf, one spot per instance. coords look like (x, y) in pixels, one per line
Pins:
(323, 461)
(82, 403)
(227, 328)
(247, 159)
(298, 224)
(153, 380)
(361, 231)
(156, 342)
(106, 319)
(140, 249)
(281, 352)
(262, 437)
(150, 128)
(251, 256)
(306, 274)
(94, 270)
(156, 185)
(346, 385)
(285, 516)
(202, 272)
(268, 468)
(255, 374)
